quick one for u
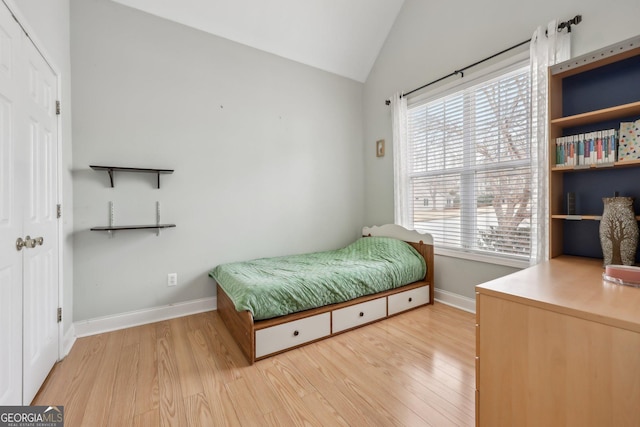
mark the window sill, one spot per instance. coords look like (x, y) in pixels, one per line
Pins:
(489, 259)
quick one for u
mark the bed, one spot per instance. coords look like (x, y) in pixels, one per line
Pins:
(275, 304)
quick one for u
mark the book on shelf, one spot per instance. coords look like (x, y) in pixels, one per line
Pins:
(586, 149)
(629, 148)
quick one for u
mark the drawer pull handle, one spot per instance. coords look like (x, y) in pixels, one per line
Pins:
(362, 314)
(410, 299)
(296, 333)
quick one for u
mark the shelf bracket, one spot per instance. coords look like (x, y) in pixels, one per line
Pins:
(158, 210)
(111, 232)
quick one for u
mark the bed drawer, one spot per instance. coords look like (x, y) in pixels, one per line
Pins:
(409, 299)
(359, 314)
(292, 334)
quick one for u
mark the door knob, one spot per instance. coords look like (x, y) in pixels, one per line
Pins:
(29, 242)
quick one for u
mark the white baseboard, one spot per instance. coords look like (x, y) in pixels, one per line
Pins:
(99, 325)
(455, 300)
(68, 341)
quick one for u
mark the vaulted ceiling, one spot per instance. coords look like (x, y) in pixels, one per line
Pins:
(340, 36)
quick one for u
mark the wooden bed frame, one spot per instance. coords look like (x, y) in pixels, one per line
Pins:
(244, 329)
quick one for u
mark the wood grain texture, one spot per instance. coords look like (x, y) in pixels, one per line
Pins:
(172, 410)
(239, 323)
(427, 253)
(416, 368)
(573, 286)
(558, 346)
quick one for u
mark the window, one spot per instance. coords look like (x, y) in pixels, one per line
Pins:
(468, 174)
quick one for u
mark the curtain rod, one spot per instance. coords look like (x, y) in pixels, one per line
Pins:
(566, 24)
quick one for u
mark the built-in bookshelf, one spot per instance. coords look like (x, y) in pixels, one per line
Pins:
(591, 93)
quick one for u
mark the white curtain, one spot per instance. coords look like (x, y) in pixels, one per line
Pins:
(400, 158)
(548, 47)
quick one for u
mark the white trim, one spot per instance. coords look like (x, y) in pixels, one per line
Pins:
(455, 300)
(489, 259)
(60, 188)
(68, 341)
(15, 11)
(60, 200)
(596, 55)
(115, 322)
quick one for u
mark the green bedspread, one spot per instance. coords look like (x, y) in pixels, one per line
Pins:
(272, 287)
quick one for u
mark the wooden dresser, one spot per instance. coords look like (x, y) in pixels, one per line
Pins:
(557, 346)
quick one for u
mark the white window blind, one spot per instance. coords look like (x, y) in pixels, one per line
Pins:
(469, 168)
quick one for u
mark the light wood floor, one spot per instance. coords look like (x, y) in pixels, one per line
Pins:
(413, 369)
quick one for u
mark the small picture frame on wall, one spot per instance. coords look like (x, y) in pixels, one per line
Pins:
(380, 148)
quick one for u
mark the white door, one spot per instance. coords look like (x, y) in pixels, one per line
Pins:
(40, 263)
(28, 182)
(10, 217)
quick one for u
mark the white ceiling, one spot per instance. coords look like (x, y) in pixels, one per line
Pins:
(340, 36)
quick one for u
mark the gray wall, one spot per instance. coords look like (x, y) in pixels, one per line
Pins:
(267, 156)
(432, 39)
(49, 24)
(268, 153)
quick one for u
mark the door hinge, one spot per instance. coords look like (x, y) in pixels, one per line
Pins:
(58, 211)
(57, 108)
(59, 314)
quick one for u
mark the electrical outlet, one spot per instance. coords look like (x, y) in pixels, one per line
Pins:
(172, 279)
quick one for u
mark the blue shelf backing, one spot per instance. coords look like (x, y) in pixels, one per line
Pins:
(608, 86)
(582, 238)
